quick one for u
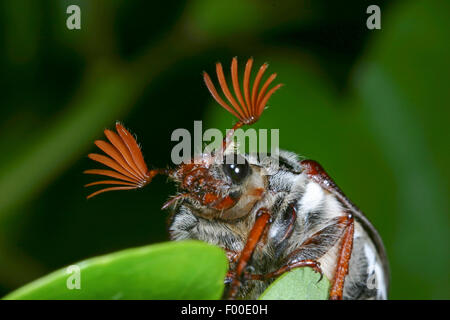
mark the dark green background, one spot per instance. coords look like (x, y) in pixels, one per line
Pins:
(370, 105)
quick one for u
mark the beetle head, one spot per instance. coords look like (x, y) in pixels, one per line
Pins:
(225, 188)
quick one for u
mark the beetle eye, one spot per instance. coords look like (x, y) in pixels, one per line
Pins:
(237, 170)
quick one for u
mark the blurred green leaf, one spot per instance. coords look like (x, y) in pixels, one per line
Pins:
(213, 16)
(175, 270)
(298, 284)
(40, 159)
(402, 83)
(107, 91)
(235, 18)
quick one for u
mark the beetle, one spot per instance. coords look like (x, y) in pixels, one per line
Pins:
(269, 216)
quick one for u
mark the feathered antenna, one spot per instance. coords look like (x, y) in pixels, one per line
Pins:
(126, 160)
(247, 108)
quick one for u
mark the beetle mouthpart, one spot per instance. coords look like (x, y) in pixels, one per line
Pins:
(173, 200)
(247, 109)
(126, 160)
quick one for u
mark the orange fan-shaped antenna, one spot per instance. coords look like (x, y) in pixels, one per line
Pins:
(126, 160)
(249, 107)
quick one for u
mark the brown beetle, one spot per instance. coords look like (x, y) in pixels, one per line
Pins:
(269, 216)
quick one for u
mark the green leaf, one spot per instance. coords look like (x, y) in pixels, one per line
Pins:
(173, 270)
(298, 284)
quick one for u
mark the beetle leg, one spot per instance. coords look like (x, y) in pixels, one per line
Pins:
(288, 267)
(340, 230)
(232, 256)
(345, 254)
(259, 227)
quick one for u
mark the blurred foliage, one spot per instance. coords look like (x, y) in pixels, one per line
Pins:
(174, 270)
(371, 106)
